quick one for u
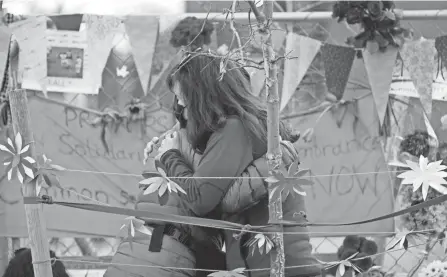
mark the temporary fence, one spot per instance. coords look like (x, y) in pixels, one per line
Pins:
(91, 255)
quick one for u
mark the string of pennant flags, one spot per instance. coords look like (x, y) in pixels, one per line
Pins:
(418, 58)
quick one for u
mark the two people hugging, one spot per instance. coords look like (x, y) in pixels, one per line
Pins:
(221, 132)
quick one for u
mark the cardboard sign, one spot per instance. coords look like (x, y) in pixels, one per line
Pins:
(351, 182)
(65, 136)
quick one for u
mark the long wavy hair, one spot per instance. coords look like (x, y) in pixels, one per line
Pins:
(211, 98)
(21, 265)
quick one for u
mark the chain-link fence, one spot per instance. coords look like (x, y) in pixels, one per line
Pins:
(311, 93)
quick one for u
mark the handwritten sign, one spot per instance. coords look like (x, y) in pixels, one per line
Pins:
(65, 136)
(349, 171)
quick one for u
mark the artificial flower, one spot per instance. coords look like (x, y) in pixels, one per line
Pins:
(134, 225)
(261, 242)
(160, 182)
(425, 175)
(19, 160)
(434, 269)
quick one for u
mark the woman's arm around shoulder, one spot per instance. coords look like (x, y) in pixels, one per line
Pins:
(227, 154)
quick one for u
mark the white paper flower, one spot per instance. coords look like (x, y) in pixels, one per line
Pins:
(261, 242)
(425, 175)
(134, 224)
(18, 159)
(161, 184)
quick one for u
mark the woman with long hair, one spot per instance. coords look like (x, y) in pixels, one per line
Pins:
(21, 265)
(227, 126)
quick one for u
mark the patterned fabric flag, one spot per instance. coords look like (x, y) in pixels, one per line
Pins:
(302, 52)
(418, 57)
(337, 67)
(143, 35)
(380, 66)
(441, 46)
(101, 30)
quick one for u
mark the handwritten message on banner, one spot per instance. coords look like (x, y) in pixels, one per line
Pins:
(65, 136)
(351, 181)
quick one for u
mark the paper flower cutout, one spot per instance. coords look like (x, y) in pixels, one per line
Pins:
(283, 185)
(134, 225)
(122, 72)
(46, 174)
(160, 183)
(18, 160)
(345, 265)
(238, 272)
(425, 175)
(261, 242)
(405, 239)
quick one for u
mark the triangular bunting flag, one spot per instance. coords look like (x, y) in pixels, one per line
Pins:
(31, 36)
(379, 67)
(143, 37)
(337, 67)
(5, 38)
(101, 30)
(302, 52)
(418, 57)
(441, 46)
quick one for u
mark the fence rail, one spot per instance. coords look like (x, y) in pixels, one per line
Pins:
(100, 250)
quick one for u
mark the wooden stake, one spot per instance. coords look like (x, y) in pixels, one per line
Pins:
(34, 213)
(274, 155)
(4, 249)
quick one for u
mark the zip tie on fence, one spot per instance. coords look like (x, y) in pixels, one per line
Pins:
(51, 260)
(221, 224)
(46, 199)
(245, 229)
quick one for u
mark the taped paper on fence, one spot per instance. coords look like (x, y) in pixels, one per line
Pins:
(66, 137)
(418, 57)
(302, 51)
(101, 30)
(355, 183)
(379, 67)
(143, 36)
(31, 36)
